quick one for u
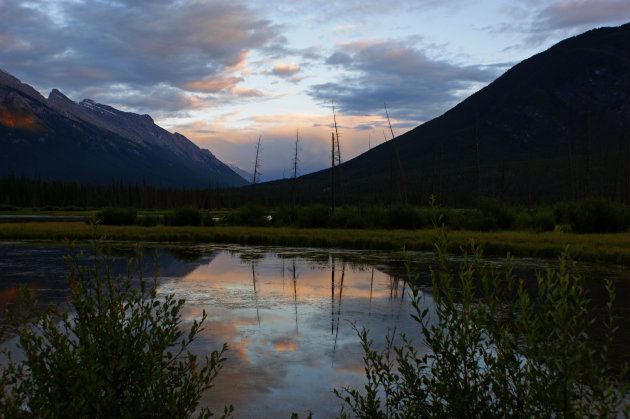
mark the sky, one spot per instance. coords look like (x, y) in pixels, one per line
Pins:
(225, 73)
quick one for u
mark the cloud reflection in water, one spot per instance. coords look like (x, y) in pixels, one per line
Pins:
(288, 324)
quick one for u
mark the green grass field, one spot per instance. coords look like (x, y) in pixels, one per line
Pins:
(613, 248)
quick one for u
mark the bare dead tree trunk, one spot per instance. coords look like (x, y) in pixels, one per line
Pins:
(587, 161)
(257, 163)
(626, 154)
(370, 170)
(572, 170)
(338, 158)
(440, 180)
(296, 159)
(400, 179)
(501, 181)
(477, 168)
(256, 177)
(391, 170)
(332, 172)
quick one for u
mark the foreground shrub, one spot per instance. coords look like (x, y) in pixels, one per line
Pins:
(117, 216)
(187, 216)
(118, 351)
(492, 351)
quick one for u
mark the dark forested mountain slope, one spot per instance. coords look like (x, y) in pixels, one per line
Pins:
(58, 139)
(555, 126)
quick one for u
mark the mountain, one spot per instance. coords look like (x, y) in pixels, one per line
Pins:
(55, 138)
(242, 172)
(553, 127)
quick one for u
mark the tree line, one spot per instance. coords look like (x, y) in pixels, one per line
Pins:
(23, 192)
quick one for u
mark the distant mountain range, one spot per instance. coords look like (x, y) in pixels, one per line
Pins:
(555, 126)
(55, 138)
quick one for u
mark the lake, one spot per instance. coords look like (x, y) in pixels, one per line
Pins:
(286, 314)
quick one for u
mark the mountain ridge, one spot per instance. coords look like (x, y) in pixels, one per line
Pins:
(119, 144)
(552, 127)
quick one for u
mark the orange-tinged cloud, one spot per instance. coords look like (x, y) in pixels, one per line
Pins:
(213, 85)
(247, 92)
(226, 81)
(240, 66)
(227, 85)
(284, 70)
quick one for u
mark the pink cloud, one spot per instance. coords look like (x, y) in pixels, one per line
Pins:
(285, 70)
(215, 85)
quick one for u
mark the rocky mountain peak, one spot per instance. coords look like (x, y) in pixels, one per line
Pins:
(59, 99)
(7, 79)
(95, 142)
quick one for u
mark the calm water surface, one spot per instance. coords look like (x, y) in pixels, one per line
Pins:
(286, 314)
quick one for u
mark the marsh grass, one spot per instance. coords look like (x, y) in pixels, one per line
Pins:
(603, 247)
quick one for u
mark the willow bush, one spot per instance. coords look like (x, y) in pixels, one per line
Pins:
(494, 349)
(118, 350)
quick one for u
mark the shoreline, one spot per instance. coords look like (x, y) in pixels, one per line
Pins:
(606, 248)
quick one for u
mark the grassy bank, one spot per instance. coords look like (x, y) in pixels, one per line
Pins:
(614, 248)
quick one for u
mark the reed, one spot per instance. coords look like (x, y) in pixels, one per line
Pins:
(604, 247)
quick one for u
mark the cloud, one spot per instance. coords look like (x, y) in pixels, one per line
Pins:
(414, 86)
(72, 45)
(572, 14)
(285, 70)
(159, 100)
(541, 22)
(325, 11)
(226, 85)
(215, 85)
(244, 92)
(339, 58)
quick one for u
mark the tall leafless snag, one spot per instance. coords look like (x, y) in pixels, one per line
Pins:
(397, 177)
(332, 171)
(337, 154)
(370, 169)
(296, 159)
(477, 165)
(622, 178)
(257, 163)
(587, 158)
(440, 173)
(501, 181)
(572, 166)
(626, 153)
